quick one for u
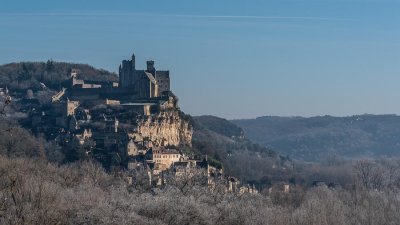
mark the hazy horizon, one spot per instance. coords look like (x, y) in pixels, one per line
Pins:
(235, 60)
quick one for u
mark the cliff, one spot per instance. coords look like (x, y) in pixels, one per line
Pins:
(167, 128)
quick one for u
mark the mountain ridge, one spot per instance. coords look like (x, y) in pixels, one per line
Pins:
(313, 138)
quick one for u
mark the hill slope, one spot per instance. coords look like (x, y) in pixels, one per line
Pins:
(317, 137)
(223, 141)
(220, 126)
(218, 138)
(29, 75)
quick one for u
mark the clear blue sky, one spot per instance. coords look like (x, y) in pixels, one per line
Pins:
(235, 59)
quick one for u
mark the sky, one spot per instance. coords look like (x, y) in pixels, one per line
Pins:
(229, 58)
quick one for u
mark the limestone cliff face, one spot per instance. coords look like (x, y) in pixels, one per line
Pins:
(166, 128)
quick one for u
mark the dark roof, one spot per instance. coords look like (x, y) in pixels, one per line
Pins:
(181, 164)
(150, 151)
(203, 163)
(30, 101)
(163, 150)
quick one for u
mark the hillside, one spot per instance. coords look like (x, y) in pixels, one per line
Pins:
(220, 126)
(316, 138)
(224, 142)
(28, 75)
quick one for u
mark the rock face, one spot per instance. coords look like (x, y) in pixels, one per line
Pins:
(166, 128)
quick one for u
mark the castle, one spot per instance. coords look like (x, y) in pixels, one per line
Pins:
(134, 86)
(135, 124)
(147, 83)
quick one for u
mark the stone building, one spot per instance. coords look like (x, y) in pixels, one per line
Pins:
(148, 83)
(233, 184)
(71, 106)
(83, 135)
(138, 116)
(135, 148)
(164, 158)
(135, 86)
(250, 189)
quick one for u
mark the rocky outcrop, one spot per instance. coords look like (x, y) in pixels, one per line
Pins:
(166, 128)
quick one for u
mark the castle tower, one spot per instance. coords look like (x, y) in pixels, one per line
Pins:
(127, 72)
(133, 62)
(148, 83)
(150, 67)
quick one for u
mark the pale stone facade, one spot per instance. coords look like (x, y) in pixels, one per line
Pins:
(71, 106)
(164, 158)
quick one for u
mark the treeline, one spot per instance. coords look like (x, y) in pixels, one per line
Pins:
(36, 192)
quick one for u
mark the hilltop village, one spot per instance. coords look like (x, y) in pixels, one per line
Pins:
(134, 123)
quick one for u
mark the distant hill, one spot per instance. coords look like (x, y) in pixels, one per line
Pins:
(28, 75)
(220, 126)
(212, 128)
(315, 138)
(224, 143)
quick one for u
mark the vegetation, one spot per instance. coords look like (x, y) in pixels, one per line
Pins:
(225, 145)
(35, 192)
(315, 138)
(220, 126)
(38, 187)
(28, 75)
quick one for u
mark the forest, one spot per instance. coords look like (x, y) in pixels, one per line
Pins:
(33, 191)
(313, 139)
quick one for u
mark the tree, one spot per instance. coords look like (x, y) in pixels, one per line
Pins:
(369, 174)
(49, 65)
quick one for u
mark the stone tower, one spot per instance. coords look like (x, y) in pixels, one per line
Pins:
(127, 72)
(144, 84)
(133, 62)
(150, 67)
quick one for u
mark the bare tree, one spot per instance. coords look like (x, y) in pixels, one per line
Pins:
(369, 174)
